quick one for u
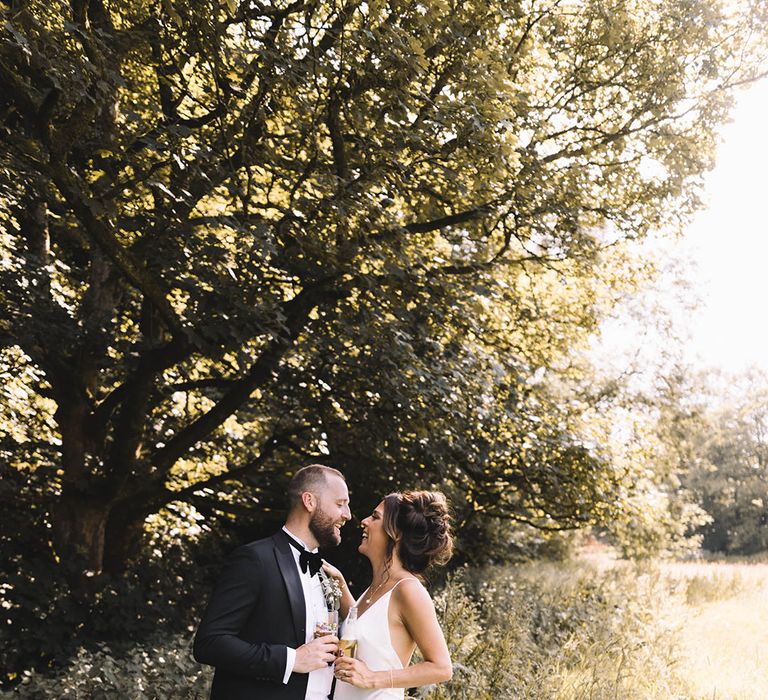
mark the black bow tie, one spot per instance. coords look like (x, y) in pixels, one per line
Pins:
(307, 560)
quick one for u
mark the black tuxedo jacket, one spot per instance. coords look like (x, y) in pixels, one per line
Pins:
(256, 610)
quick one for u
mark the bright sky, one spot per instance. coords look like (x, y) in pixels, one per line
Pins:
(724, 257)
(729, 243)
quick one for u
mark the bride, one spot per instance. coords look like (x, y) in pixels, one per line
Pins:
(404, 535)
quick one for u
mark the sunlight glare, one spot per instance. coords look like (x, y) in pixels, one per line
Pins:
(729, 244)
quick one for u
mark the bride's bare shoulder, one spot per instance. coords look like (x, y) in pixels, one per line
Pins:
(410, 591)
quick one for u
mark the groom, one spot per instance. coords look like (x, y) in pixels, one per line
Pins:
(259, 625)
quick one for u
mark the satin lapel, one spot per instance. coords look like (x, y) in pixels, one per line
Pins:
(287, 565)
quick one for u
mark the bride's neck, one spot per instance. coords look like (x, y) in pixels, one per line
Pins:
(382, 572)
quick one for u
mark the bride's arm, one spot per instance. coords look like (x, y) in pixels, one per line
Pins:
(347, 601)
(417, 611)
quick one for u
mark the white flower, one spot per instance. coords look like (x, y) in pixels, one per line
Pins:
(331, 591)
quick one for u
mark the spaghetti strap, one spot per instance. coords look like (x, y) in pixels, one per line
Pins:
(407, 578)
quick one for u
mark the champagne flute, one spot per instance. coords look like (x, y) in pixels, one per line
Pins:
(348, 641)
(327, 623)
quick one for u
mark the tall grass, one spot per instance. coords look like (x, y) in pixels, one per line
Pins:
(718, 580)
(560, 632)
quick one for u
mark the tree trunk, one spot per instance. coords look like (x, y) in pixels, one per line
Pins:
(122, 537)
(80, 523)
(81, 512)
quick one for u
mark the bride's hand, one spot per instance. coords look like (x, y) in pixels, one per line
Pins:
(334, 573)
(354, 672)
(347, 601)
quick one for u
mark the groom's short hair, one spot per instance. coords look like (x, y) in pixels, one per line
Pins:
(312, 478)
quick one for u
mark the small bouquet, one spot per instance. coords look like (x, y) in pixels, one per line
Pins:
(331, 591)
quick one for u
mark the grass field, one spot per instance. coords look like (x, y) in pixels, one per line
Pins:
(724, 632)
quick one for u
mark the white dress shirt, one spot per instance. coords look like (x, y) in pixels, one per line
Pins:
(319, 682)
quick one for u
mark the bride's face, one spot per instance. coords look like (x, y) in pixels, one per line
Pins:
(374, 542)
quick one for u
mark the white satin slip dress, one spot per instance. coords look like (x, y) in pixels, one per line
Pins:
(374, 647)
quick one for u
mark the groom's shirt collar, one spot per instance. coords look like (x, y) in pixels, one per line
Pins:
(298, 539)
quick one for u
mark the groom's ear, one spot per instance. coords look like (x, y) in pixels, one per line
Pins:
(309, 501)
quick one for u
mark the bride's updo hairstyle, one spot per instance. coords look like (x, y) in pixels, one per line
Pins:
(419, 527)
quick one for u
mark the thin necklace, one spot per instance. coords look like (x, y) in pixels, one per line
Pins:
(373, 592)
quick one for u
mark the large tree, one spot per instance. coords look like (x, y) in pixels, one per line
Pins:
(237, 235)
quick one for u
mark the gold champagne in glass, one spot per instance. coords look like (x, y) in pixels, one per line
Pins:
(348, 641)
(348, 647)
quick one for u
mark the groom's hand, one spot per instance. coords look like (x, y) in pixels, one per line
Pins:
(318, 653)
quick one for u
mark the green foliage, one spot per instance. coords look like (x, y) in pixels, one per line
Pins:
(694, 455)
(159, 669)
(49, 611)
(729, 462)
(647, 430)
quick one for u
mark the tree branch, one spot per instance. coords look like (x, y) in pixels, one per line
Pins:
(338, 147)
(267, 450)
(297, 312)
(151, 362)
(152, 288)
(474, 214)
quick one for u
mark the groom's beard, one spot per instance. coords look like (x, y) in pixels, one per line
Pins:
(321, 525)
